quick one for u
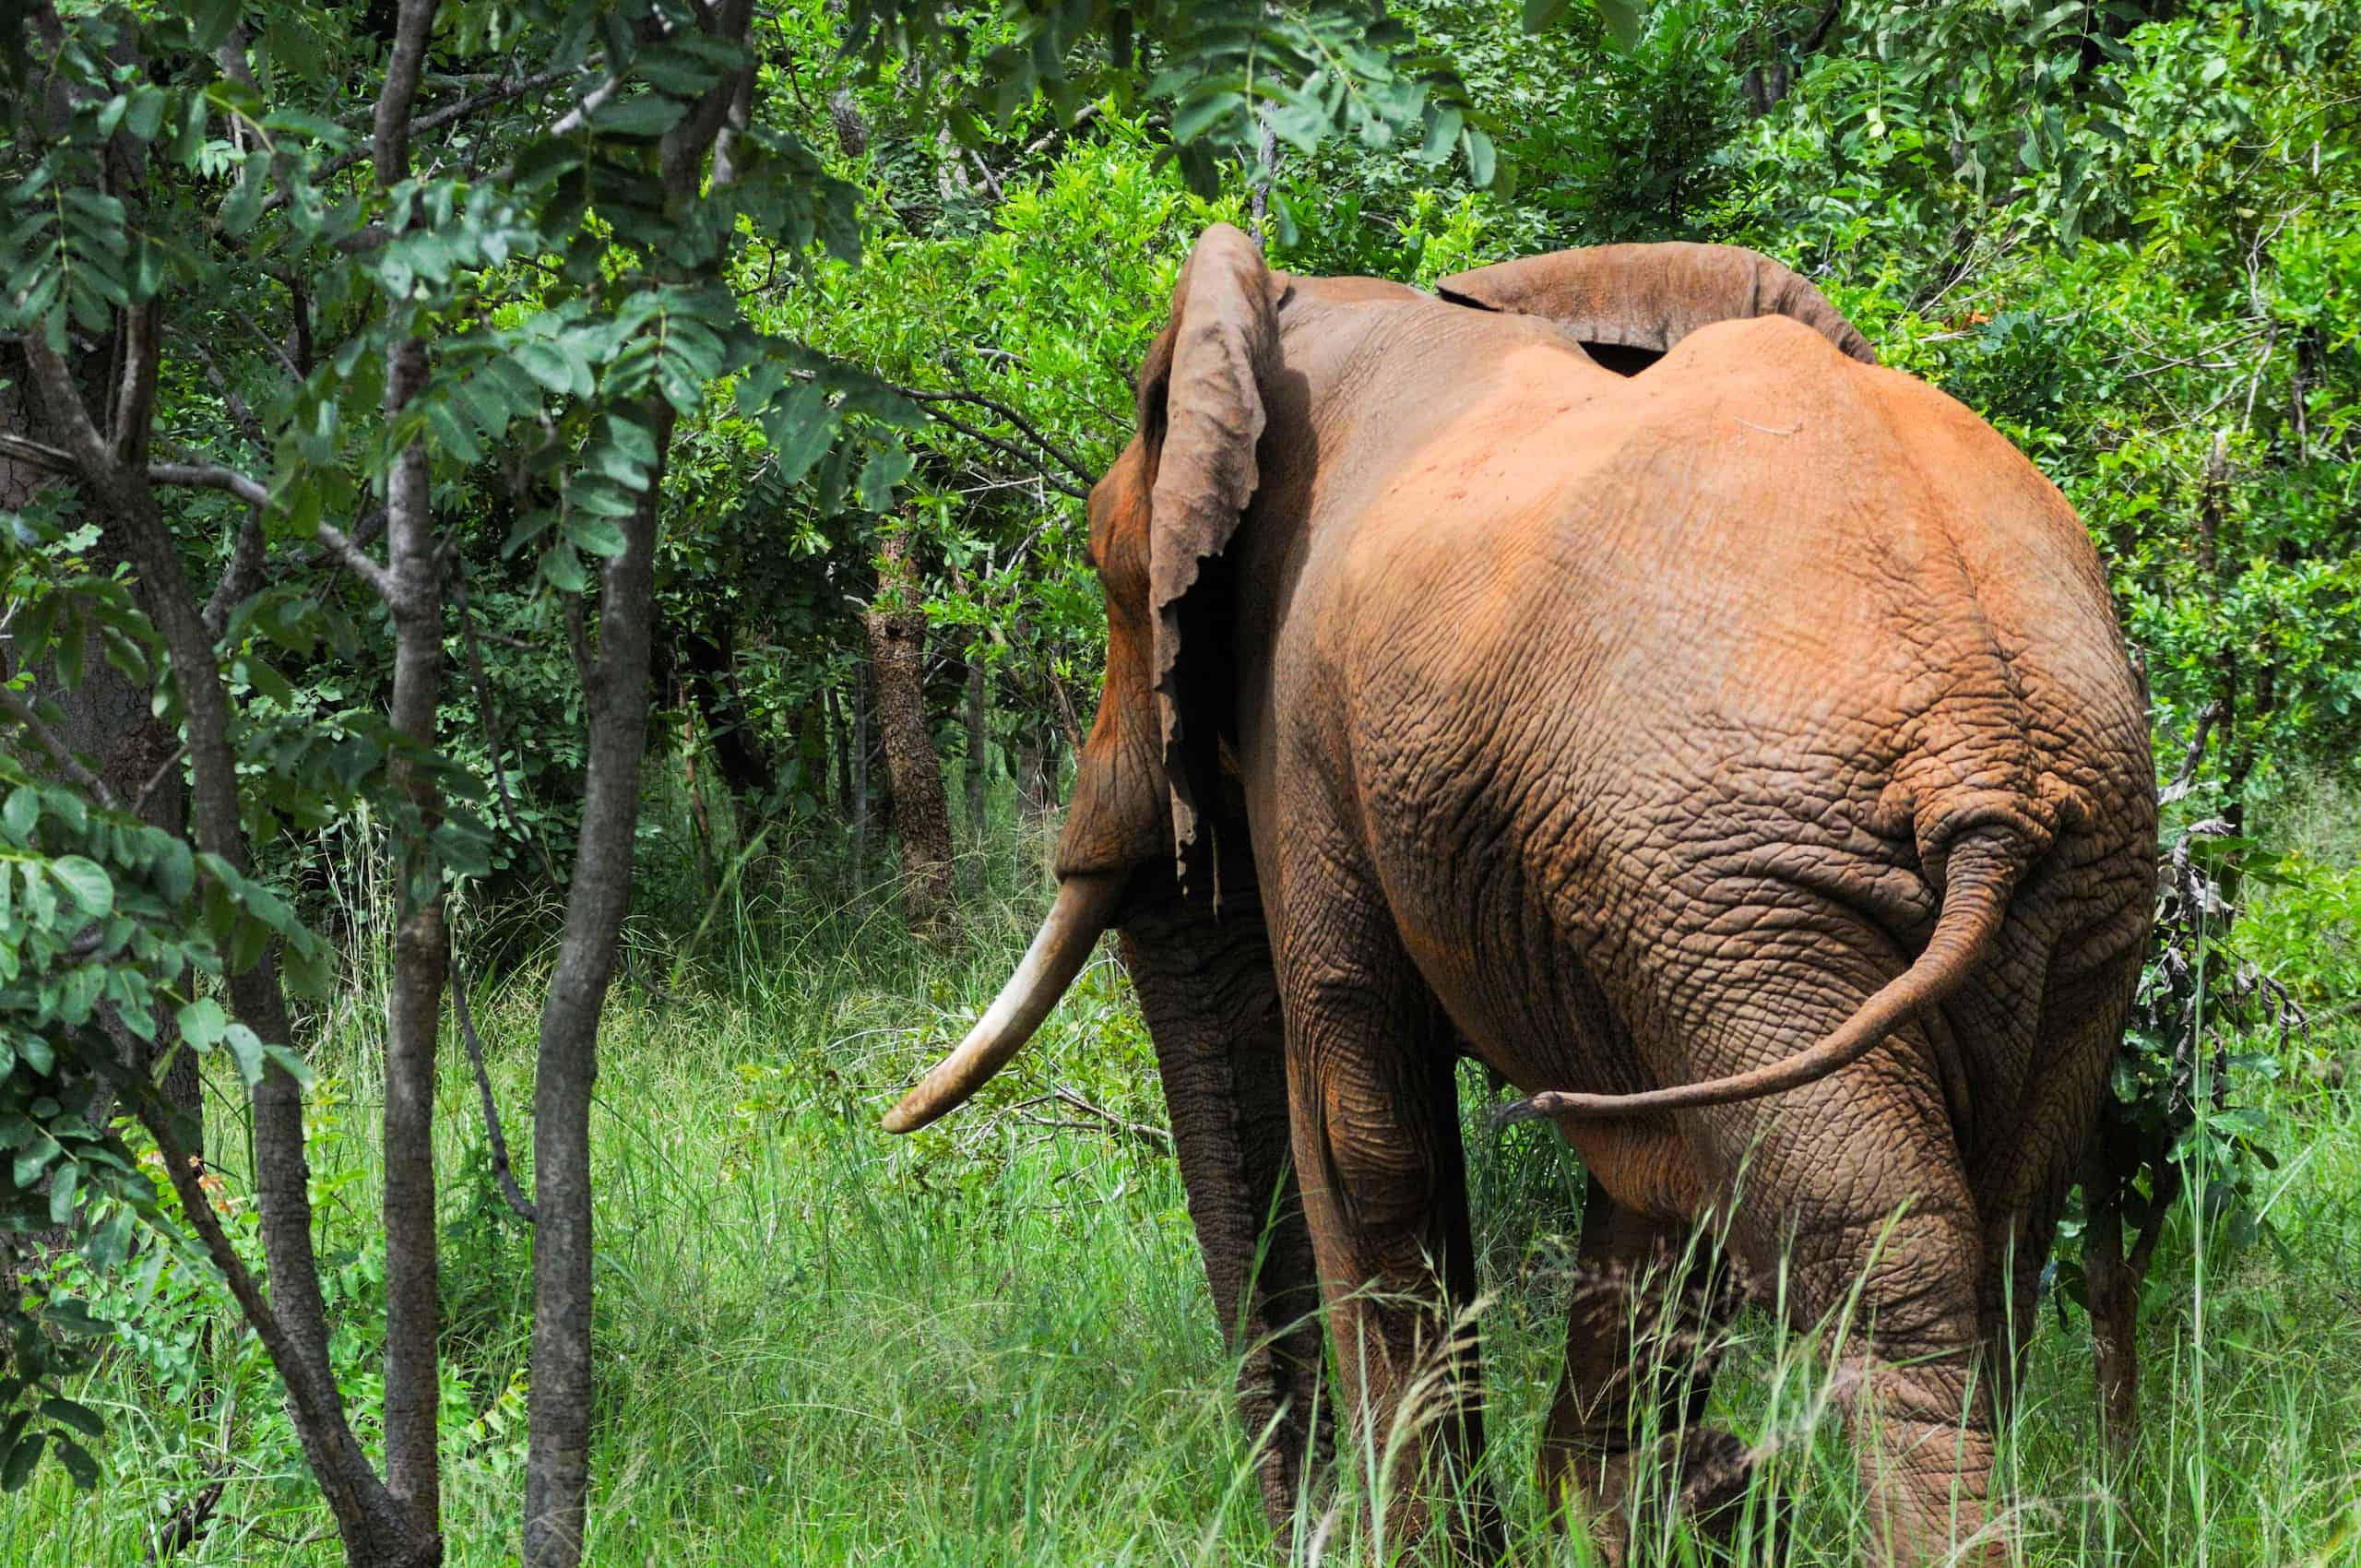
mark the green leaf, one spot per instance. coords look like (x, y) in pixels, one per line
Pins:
(82, 1417)
(886, 468)
(644, 114)
(1201, 112)
(78, 1462)
(62, 1188)
(561, 568)
(87, 881)
(22, 812)
(245, 1047)
(21, 1460)
(202, 1022)
(147, 114)
(1622, 20)
(1482, 162)
(599, 536)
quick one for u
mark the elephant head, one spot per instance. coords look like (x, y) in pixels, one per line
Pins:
(1148, 773)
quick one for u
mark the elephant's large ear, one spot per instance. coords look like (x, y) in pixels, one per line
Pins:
(1649, 297)
(1222, 344)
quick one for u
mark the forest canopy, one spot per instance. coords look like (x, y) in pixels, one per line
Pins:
(579, 506)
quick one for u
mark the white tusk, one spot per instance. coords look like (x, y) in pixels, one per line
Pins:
(1085, 907)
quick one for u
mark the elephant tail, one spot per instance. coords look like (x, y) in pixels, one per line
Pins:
(1981, 870)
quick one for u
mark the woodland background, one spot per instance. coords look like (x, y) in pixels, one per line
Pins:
(543, 573)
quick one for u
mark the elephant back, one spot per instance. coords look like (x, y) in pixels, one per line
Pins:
(1635, 301)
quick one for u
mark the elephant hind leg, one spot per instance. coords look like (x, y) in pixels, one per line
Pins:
(2022, 1186)
(1638, 1374)
(1896, 1266)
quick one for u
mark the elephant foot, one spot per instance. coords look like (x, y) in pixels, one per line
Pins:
(1700, 1475)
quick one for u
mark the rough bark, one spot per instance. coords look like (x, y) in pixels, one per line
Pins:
(921, 815)
(861, 705)
(844, 117)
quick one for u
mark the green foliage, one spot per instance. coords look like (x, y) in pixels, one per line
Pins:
(2128, 234)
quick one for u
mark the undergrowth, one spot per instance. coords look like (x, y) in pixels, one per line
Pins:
(991, 1343)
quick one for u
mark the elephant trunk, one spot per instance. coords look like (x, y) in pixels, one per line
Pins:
(1085, 907)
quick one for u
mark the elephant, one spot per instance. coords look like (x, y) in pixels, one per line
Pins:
(1602, 668)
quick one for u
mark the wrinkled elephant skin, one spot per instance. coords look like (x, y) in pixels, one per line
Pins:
(1747, 732)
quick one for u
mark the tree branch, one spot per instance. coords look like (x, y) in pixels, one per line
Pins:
(209, 476)
(362, 563)
(450, 113)
(1016, 417)
(84, 450)
(135, 396)
(23, 711)
(23, 449)
(240, 577)
(166, 770)
(500, 1171)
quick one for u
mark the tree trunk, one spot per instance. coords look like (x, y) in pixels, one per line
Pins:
(557, 1466)
(978, 736)
(700, 818)
(112, 725)
(1036, 774)
(414, 1006)
(861, 685)
(840, 744)
(921, 815)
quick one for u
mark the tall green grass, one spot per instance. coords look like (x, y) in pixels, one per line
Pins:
(990, 1344)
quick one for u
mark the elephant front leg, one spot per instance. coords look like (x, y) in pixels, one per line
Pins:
(1207, 990)
(1374, 1103)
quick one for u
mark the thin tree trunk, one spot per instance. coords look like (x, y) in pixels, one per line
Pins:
(841, 743)
(414, 1008)
(557, 1456)
(921, 814)
(700, 818)
(421, 951)
(1036, 774)
(978, 736)
(712, 680)
(557, 1466)
(2113, 1300)
(861, 707)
